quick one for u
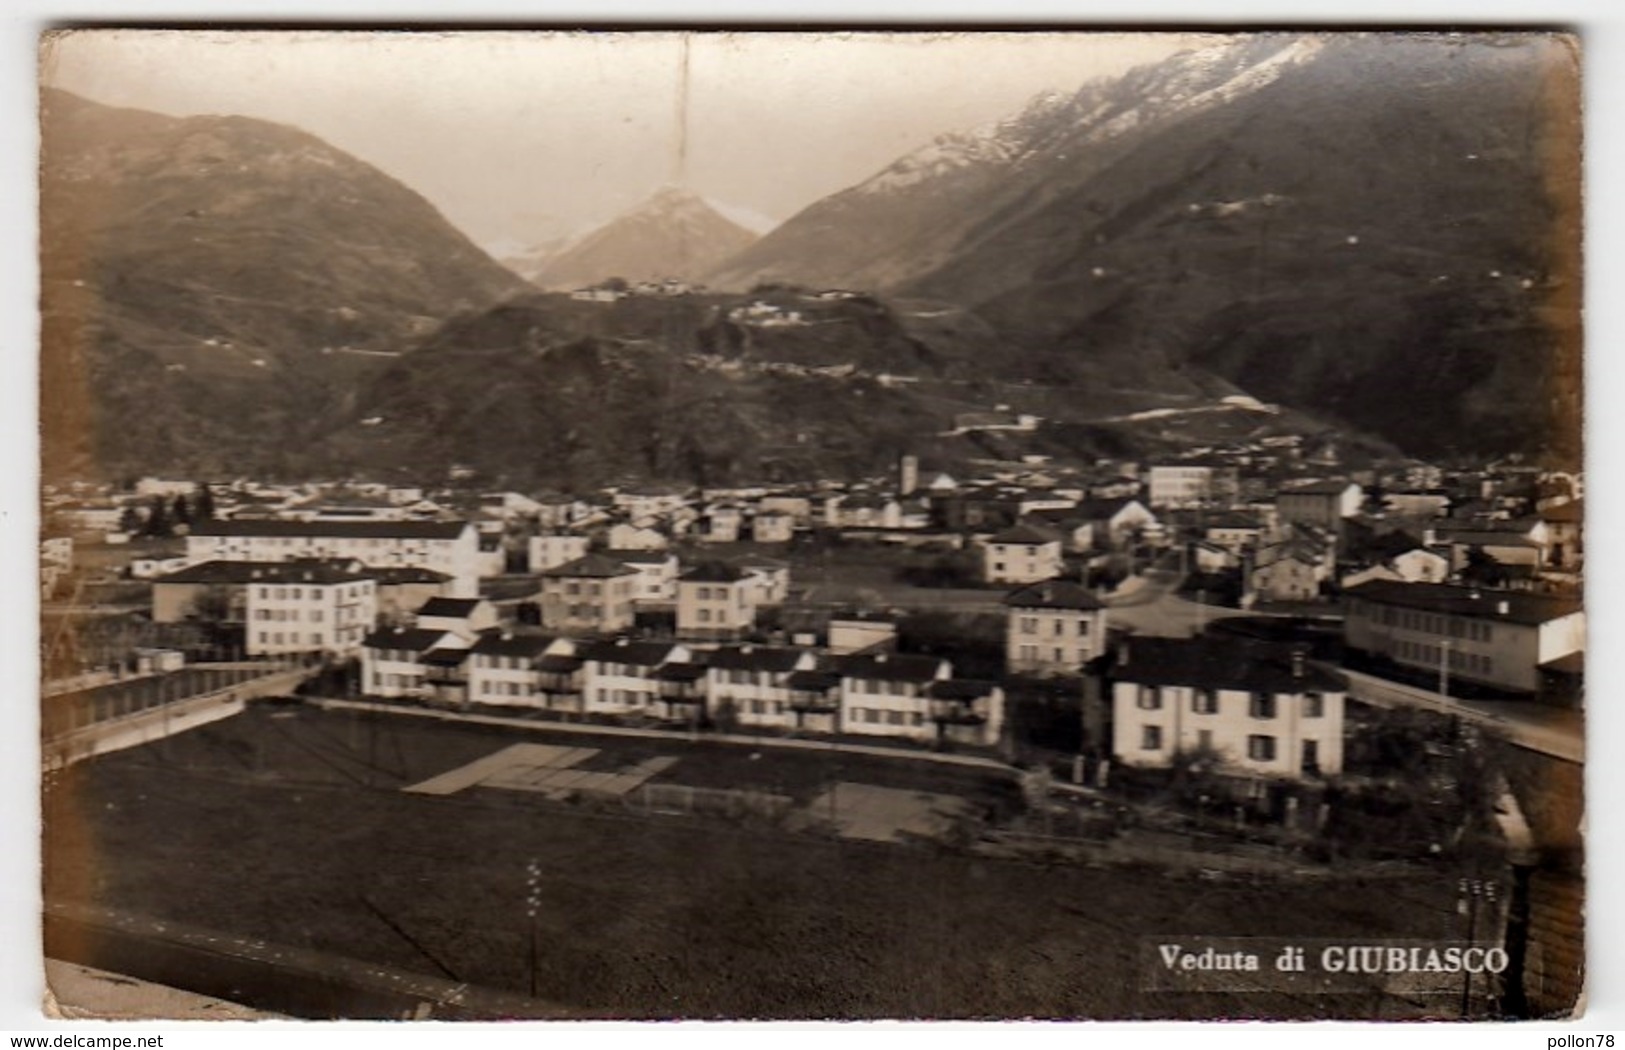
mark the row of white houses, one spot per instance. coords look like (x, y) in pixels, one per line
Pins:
(878, 694)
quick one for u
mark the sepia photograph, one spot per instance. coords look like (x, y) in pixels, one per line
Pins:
(839, 525)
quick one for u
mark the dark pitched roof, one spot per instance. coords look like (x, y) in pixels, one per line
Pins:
(218, 572)
(1521, 607)
(1025, 534)
(1516, 527)
(812, 681)
(960, 689)
(680, 672)
(1232, 520)
(621, 651)
(755, 658)
(713, 572)
(641, 491)
(457, 607)
(244, 572)
(1097, 509)
(636, 557)
(445, 657)
(1053, 594)
(530, 646)
(889, 667)
(420, 530)
(1317, 488)
(594, 566)
(1390, 545)
(556, 664)
(414, 638)
(1220, 663)
(400, 574)
(1486, 538)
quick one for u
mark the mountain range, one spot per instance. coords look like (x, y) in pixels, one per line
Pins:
(1311, 218)
(215, 289)
(675, 233)
(1379, 230)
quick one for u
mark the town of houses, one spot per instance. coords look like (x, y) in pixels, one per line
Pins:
(666, 604)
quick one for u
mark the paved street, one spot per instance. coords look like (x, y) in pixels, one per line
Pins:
(1148, 605)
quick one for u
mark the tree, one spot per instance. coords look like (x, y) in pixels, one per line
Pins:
(203, 505)
(213, 605)
(129, 521)
(157, 518)
(1482, 570)
(181, 514)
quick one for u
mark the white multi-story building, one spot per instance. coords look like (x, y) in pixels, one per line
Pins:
(863, 511)
(1116, 523)
(716, 602)
(1023, 554)
(657, 575)
(720, 523)
(1499, 639)
(560, 512)
(168, 487)
(797, 508)
(750, 683)
(1053, 628)
(884, 694)
(772, 527)
(451, 547)
(525, 670)
(1321, 503)
(916, 698)
(593, 594)
(771, 576)
(630, 536)
(648, 501)
(309, 607)
(1259, 710)
(552, 549)
(1236, 531)
(621, 677)
(1174, 485)
(394, 661)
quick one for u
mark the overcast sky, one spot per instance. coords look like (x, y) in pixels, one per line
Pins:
(512, 135)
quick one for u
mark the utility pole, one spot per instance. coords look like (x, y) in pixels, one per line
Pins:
(834, 783)
(1468, 893)
(533, 902)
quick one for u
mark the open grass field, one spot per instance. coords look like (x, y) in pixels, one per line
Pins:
(288, 825)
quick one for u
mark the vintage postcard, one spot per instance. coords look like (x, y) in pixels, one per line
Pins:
(811, 525)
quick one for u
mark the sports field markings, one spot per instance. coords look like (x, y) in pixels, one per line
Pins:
(544, 768)
(881, 814)
(513, 760)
